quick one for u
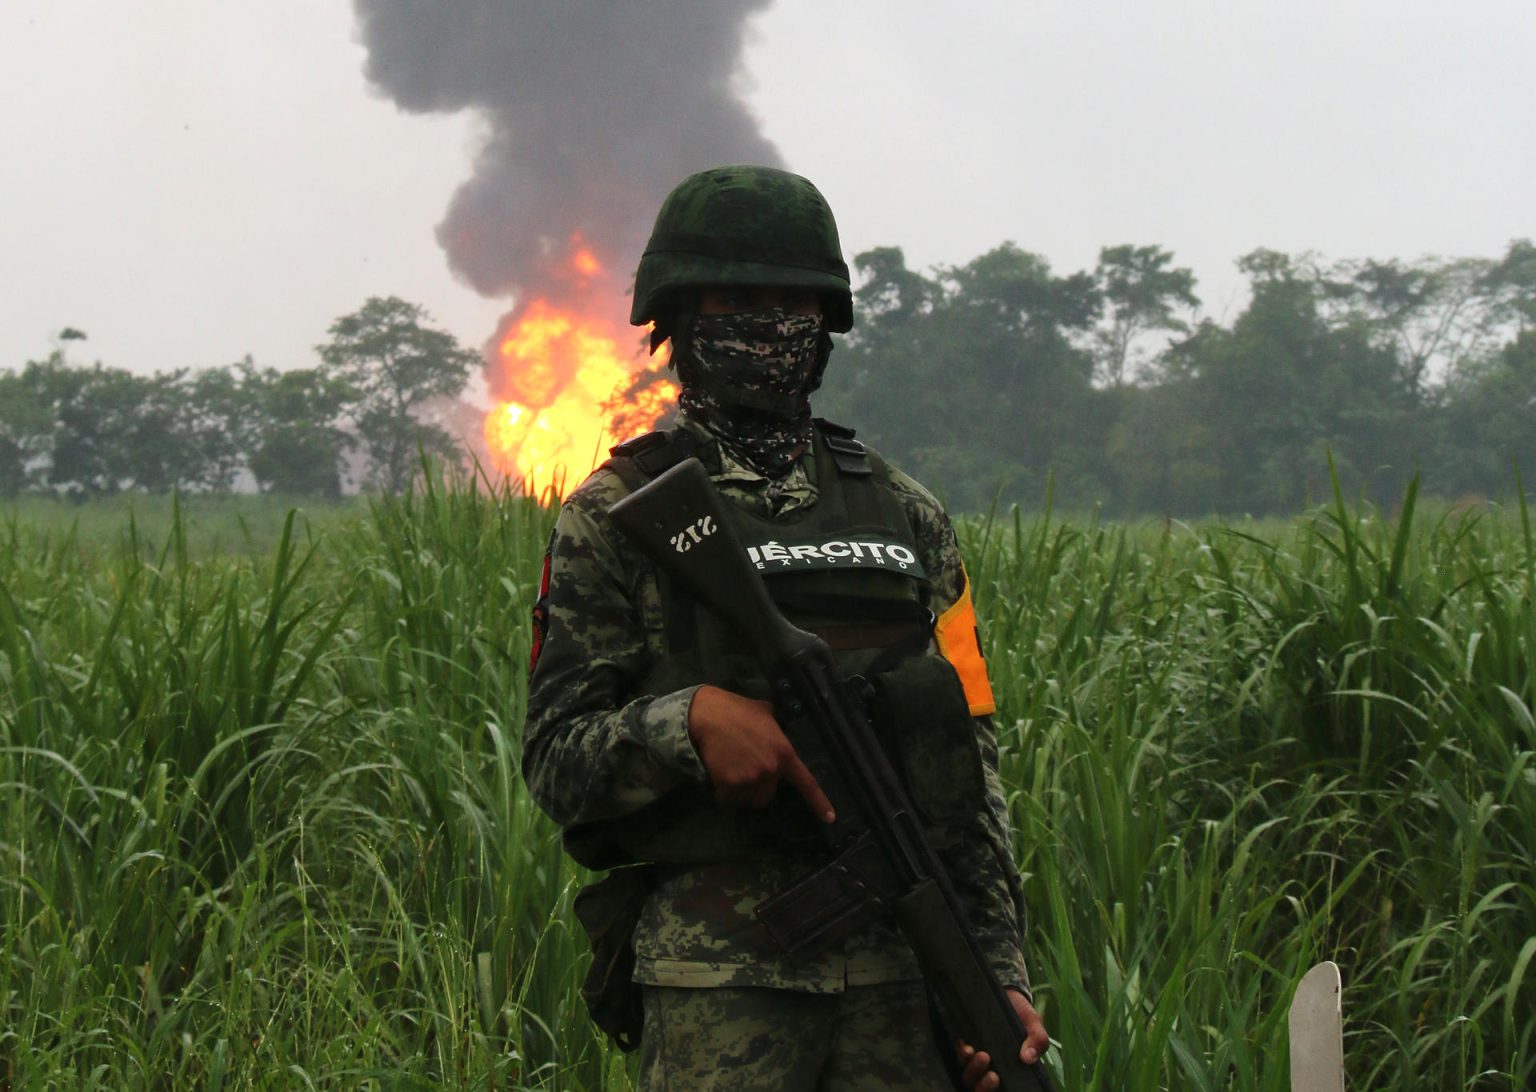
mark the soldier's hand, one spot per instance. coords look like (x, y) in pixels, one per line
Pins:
(976, 1065)
(746, 753)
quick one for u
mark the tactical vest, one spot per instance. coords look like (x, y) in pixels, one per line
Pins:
(847, 568)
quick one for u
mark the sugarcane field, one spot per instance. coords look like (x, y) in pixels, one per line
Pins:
(263, 812)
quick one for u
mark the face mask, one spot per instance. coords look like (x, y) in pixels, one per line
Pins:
(747, 376)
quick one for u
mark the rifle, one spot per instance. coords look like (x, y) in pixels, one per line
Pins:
(881, 856)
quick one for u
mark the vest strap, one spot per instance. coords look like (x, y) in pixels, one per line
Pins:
(850, 455)
(651, 454)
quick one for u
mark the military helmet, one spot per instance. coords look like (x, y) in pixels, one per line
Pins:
(743, 226)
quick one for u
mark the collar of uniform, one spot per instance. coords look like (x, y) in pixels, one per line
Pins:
(708, 449)
(775, 496)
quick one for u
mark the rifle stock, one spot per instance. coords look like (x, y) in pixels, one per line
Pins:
(678, 520)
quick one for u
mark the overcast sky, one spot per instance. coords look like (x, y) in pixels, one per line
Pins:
(189, 182)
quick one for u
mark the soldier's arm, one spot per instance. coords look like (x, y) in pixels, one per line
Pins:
(593, 748)
(982, 863)
(987, 878)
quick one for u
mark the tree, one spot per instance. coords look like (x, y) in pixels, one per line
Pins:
(1489, 418)
(1513, 282)
(1014, 374)
(25, 428)
(161, 444)
(395, 364)
(970, 379)
(1435, 314)
(1141, 295)
(298, 446)
(892, 297)
(1164, 449)
(221, 425)
(878, 365)
(1286, 386)
(93, 413)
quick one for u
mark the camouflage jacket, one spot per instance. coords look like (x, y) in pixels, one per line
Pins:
(596, 750)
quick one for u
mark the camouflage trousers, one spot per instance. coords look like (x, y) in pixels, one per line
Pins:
(877, 1038)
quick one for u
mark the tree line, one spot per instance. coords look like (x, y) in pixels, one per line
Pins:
(988, 378)
(99, 430)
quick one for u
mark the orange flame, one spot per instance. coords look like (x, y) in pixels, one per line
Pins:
(574, 394)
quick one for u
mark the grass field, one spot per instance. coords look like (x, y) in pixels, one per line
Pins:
(261, 822)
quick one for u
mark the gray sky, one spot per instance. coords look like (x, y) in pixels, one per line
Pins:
(189, 181)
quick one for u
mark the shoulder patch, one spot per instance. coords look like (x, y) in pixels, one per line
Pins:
(540, 617)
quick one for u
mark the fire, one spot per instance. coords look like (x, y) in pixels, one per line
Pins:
(574, 393)
(569, 383)
(586, 263)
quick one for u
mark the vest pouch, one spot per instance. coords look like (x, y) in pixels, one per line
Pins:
(608, 911)
(920, 712)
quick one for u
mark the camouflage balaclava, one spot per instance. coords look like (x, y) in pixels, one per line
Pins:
(747, 378)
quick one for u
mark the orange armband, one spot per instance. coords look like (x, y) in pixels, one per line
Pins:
(960, 643)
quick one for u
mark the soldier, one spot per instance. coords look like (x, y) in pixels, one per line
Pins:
(649, 738)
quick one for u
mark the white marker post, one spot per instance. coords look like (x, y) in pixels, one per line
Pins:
(1317, 1032)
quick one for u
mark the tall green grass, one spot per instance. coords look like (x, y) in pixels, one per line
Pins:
(246, 525)
(1237, 752)
(262, 817)
(261, 822)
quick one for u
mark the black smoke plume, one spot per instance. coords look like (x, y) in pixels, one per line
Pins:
(595, 110)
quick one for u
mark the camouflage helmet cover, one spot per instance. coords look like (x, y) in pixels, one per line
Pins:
(743, 226)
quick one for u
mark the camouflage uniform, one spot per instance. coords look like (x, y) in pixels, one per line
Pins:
(596, 751)
(866, 1039)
